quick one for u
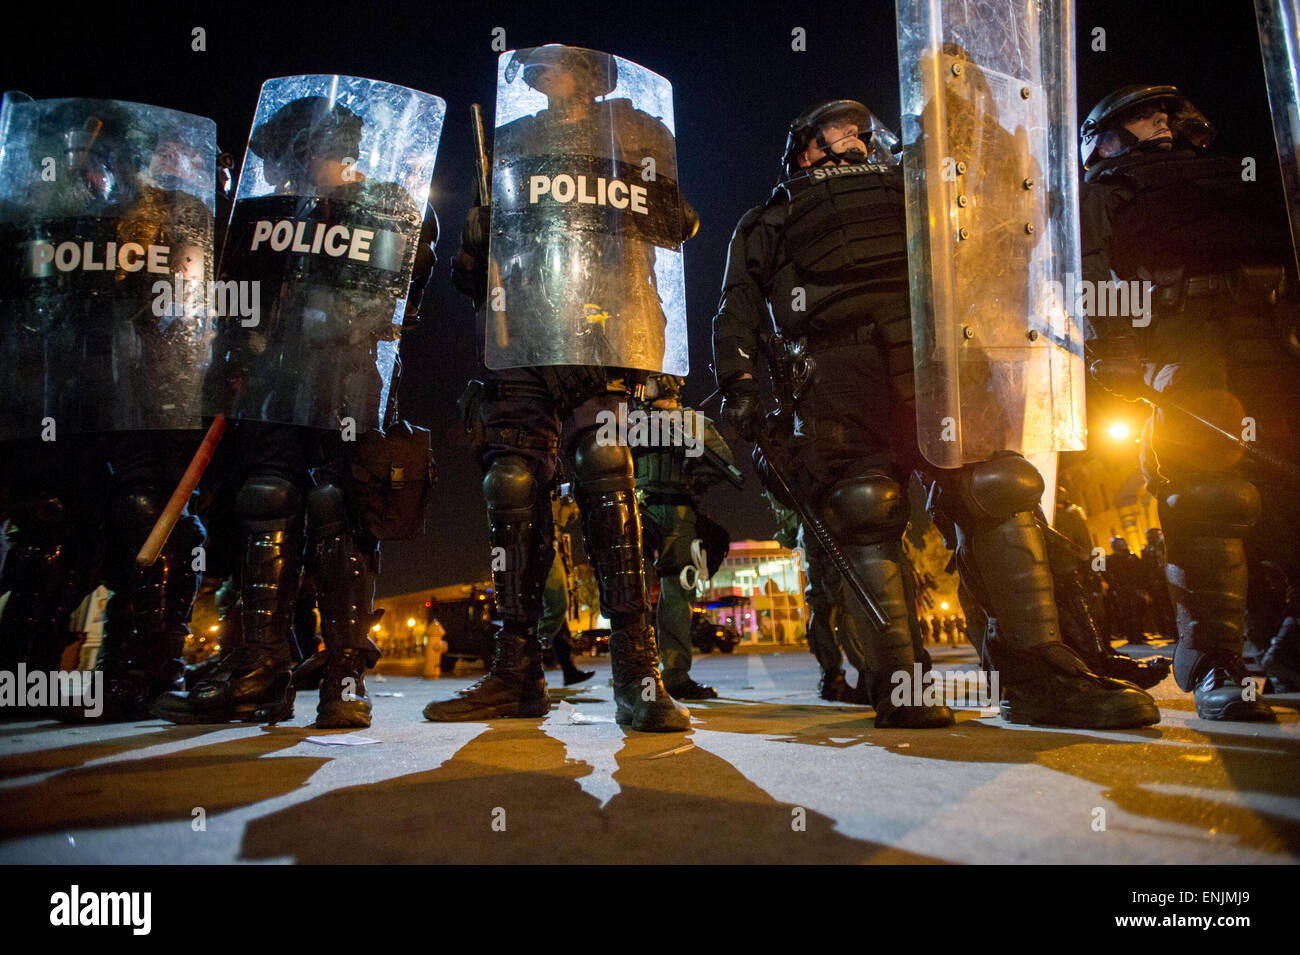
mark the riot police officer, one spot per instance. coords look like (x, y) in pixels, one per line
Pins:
(108, 374)
(516, 412)
(306, 381)
(1124, 578)
(827, 253)
(1160, 210)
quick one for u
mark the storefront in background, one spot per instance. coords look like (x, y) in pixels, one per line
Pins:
(759, 591)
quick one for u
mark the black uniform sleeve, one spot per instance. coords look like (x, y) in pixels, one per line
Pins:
(742, 310)
(1098, 204)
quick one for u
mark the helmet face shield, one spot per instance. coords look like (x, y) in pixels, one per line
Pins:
(831, 122)
(1104, 135)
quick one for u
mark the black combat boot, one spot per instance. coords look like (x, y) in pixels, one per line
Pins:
(251, 683)
(564, 657)
(1208, 577)
(1281, 660)
(689, 689)
(1227, 692)
(886, 574)
(1049, 685)
(46, 574)
(146, 657)
(1042, 681)
(833, 688)
(520, 527)
(344, 577)
(868, 514)
(515, 685)
(642, 702)
(343, 699)
(611, 527)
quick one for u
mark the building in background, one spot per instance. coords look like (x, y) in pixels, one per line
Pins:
(759, 591)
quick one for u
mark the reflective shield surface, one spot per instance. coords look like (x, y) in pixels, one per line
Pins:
(993, 240)
(1279, 37)
(106, 220)
(320, 250)
(587, 222)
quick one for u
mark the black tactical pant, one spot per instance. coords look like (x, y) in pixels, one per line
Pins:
(522, 417)
(1224, 361)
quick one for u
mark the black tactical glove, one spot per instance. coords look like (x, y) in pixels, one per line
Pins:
(1118, 368)
(740, 408)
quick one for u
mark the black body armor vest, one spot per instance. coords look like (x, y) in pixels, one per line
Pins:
(844, 234)
(1191, 214)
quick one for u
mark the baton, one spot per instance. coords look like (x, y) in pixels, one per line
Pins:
(480, 157)
(877, 615)
(1279, 467)
(166, 522)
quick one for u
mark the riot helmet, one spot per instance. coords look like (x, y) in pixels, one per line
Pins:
(1119, 545)
(1103, 134)
(808, 127)
(304, 132)
(594, 74)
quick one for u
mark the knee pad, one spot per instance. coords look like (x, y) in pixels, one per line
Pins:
(510, 485)
(1210, 505)
(601, 467)
(987, 494)
(327, 511)
(268, 504)
(866, 510)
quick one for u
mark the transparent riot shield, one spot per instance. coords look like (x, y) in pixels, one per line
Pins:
(992, 220)
(1279, 36)
(106, 218)
(318, 257)
(586, 262)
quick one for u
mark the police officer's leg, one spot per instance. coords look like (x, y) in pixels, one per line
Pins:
(1002, 559)
(252, 683)
(553, 628)
(612, 529)
(343, 563)
(1205, 518)
(519, 426)
(146, 656)
(521, 530)
(821, 631)
(836, 627)
(676, 531)
(867, 515)
(46, 575)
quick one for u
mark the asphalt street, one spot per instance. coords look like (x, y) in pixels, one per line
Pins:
(767, 774)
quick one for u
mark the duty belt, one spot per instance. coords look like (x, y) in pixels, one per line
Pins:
(1246, 284)
(519, 438)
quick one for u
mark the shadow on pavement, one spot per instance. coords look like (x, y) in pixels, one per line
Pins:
(689, 807)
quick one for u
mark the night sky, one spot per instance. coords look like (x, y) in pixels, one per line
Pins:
(737, 84)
